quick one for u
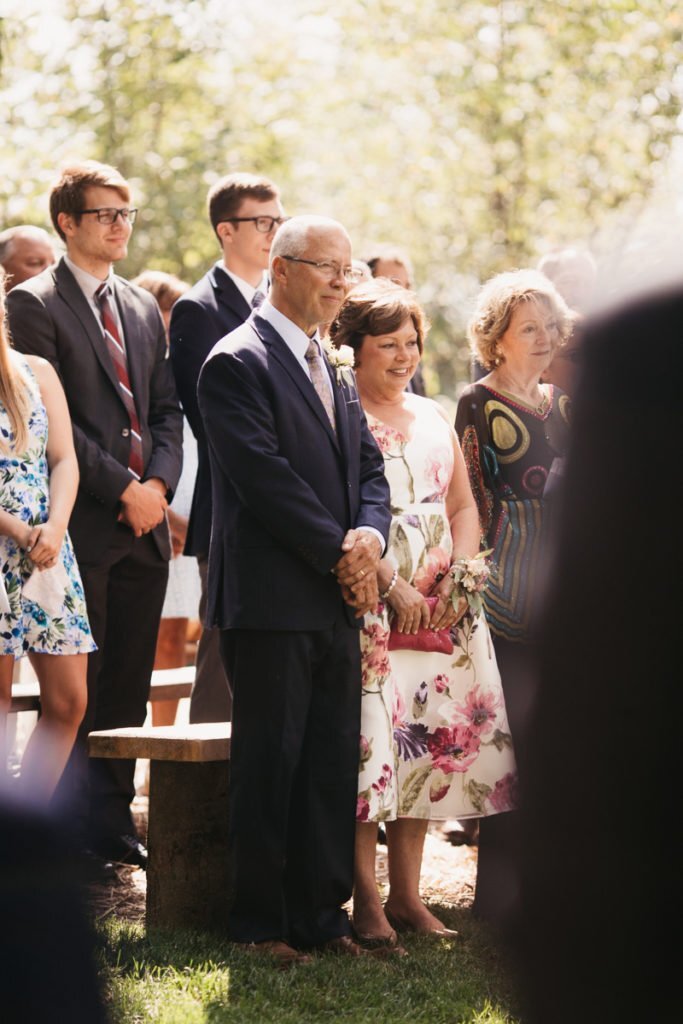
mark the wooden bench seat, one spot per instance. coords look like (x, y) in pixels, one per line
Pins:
(187, 873)
(166, 684)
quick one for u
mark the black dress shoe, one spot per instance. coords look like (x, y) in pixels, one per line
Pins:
(95, 870)
(123, 850)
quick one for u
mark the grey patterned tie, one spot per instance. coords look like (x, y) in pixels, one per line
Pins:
(257, 299)
(319, 381)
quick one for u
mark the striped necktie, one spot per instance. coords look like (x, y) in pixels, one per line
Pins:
(118, 357)
(319, 381)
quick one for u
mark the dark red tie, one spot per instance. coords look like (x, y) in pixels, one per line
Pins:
(118, 357)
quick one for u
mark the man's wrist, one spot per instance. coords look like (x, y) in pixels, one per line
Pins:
(375, 533)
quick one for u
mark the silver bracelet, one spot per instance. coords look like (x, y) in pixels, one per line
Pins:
(391, 586)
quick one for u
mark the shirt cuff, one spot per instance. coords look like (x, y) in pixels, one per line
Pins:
(378, 535)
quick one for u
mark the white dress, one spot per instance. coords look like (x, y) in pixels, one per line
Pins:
(435, 738)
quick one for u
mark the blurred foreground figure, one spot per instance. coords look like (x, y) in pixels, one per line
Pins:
(47, 969)
(596, 920)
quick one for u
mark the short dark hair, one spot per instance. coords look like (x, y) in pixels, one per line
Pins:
(376, 307)
(227, 194)
(67, 195)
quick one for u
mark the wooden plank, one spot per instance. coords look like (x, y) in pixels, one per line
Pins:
(204, 742)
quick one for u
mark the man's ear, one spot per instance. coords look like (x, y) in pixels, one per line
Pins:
(225, 232)
(278, 270)
(66, 223)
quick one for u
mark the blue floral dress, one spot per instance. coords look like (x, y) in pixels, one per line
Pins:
(24, 491)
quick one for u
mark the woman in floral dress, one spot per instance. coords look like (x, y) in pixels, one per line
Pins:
(42, 608)
(435, 741)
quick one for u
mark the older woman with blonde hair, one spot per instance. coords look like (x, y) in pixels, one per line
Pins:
(513, 430)
(42, 606)
(435, 742)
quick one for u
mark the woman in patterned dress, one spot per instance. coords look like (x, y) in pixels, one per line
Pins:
(434, 736)
(513, 430)
(43, 608)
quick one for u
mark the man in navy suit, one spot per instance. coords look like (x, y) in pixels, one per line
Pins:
(245, 213)
(300, 520)
(106, 339)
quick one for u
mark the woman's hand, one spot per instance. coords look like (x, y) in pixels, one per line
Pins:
(444, 614)
(45, 551)
(411, 611)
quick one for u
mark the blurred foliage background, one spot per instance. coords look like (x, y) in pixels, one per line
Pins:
(477, 136)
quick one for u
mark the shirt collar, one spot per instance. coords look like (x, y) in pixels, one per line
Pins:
(87, 282)
(246, 289)
(295, 339)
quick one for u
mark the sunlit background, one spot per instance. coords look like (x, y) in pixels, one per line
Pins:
(476, 136)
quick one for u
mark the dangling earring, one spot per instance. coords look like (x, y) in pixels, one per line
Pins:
(497, 360)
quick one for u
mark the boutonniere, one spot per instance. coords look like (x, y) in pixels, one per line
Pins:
(341, 360)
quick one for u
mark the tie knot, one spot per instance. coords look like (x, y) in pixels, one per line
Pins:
(102, 292)
(257, 299)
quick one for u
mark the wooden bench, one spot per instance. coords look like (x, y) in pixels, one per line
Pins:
(187, 873)
(166, 684)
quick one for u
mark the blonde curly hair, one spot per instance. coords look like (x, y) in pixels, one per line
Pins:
(496, 303)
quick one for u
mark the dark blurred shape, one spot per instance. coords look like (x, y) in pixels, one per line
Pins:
(47, 969)
(597, 933)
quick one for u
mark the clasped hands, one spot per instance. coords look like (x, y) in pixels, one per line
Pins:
(143, 505)
(410, 611)
(356, 570)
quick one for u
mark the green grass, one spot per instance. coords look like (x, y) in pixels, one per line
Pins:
(184, 978)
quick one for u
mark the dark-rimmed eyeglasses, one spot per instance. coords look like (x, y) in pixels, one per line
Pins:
(263, 224)
(108, 214)
(329, 269)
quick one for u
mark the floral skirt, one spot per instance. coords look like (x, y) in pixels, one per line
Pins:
(435, 738)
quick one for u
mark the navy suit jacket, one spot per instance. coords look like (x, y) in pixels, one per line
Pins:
(212, 308)
(49, 316)
(285, 488)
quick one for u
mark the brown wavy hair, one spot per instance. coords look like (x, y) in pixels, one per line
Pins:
(376, 307)
(13, 393)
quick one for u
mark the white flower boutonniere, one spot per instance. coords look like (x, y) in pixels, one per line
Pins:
(341, 360)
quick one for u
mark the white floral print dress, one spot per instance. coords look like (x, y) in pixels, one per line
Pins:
(435, 741)
(24, 491)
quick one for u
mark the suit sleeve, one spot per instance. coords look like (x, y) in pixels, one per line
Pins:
(34, 333)
(374, 488)
(193, 335)
(244, 445)
(164, 418)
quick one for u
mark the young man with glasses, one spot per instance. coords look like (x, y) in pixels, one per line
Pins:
(105, 337)
(245, 212)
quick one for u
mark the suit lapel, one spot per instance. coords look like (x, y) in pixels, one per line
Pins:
(340, 409)
(281, 351)
(228, 294)
(69, 289)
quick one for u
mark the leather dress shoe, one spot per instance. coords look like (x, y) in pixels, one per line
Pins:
(279, 952)
(125, 849)
(96, 870)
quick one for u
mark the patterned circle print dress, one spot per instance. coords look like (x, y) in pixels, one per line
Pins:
(24, 491)
(435, 739)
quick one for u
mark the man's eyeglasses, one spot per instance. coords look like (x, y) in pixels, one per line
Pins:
(263, 224)
(108, 214)
(331, 270)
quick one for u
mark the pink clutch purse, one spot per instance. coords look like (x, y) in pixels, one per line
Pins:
(426, 639)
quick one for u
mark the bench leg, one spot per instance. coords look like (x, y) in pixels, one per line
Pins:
(187, 874)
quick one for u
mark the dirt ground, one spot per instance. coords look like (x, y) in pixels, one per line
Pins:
(448, 874)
